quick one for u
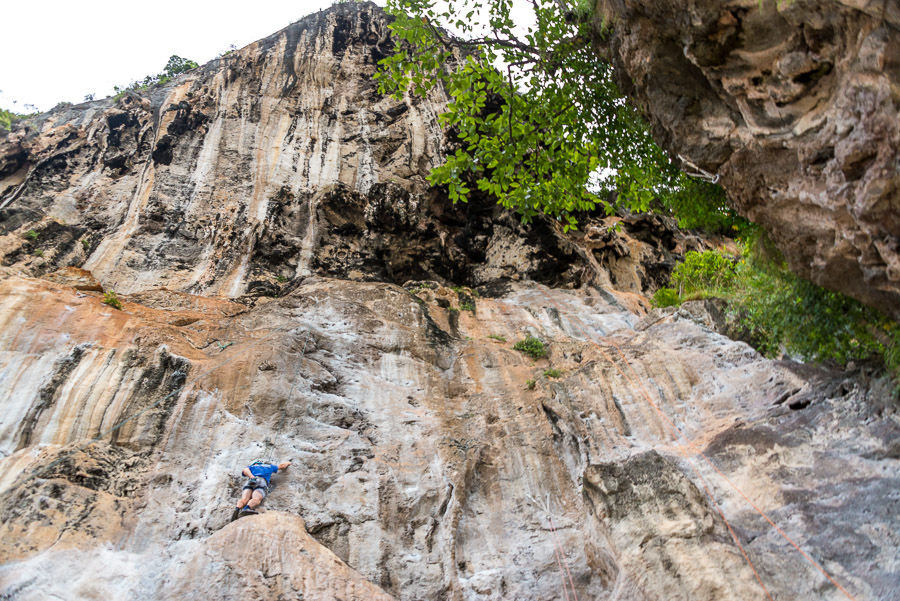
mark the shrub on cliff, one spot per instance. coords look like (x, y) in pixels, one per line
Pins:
(666, 297)
(710, 273)
(780, 311)
(110, 298)
(531, 346)
(174, 67)
(8, 119)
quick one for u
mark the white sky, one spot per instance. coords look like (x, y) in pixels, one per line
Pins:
(61, 50)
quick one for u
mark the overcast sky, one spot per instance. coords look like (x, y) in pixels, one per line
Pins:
(56, 50)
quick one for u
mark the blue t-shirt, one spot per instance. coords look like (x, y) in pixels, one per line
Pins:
(263, 469)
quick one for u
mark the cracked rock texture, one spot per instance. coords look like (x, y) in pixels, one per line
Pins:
(290, 288)
(795, 106)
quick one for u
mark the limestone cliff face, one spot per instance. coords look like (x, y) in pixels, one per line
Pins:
(177, 187)
(279, 303)
(795, 106)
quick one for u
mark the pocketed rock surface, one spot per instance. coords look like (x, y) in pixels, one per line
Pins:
(347, 317)
(793, 106)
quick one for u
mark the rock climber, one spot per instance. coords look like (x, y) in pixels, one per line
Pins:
(257, 486)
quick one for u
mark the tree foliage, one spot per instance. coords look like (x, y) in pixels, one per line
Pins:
(706, 271)
(175, 66)
(8, 119)
(536, 112)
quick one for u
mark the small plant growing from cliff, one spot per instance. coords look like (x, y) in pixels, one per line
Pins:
(497, 337)
(420, 288)
(530, 384)
(552, 373)
(85, 244)
(110, 298)
(467, 306)
(31, 236)
(666, 297)
(531, 346)
(280, 279)
(38, 252)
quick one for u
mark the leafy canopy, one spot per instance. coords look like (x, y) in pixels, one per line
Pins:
(174, 67)
(536, 112)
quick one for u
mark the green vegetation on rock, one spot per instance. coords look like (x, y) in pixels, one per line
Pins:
(9, 118)
(174, 67)
(780, 311)
(534, 132)
(110, 298)
(531, 346)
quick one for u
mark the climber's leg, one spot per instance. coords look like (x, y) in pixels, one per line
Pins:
(245, 498)
(258, 495)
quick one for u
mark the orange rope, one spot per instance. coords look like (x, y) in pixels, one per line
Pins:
(693, 446)
(679, 434)
(561, 574)
(730, 529)
(696, 471)
(558, 544)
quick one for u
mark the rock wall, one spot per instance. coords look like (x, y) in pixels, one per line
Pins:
(177, 185)
(365, 328)
(794, 106)
(424, 459)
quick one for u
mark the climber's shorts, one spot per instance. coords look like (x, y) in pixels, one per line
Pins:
(257, 485)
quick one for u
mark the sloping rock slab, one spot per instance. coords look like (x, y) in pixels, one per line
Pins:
(269, 556)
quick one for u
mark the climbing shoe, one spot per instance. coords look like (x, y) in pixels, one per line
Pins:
(248, 511)
(235, 514)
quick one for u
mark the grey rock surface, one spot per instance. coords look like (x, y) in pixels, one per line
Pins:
(365, 328)
(795, 106)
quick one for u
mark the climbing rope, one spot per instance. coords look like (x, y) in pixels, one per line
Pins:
(678, 434)
(561, 559)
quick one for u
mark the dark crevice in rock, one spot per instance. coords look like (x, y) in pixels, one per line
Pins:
(158, 387)
(47, 394)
